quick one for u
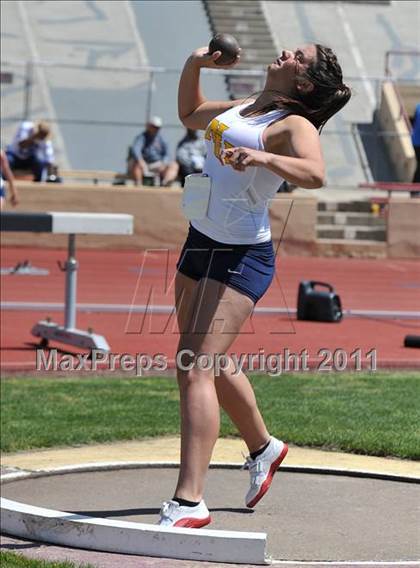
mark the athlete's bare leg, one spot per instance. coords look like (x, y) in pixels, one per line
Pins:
(211, 316)
(237, 398)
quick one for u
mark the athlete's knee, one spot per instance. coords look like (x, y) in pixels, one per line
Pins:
(225, 368)
(192, 369)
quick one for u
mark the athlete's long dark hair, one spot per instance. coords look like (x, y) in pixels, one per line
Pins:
(328, 96)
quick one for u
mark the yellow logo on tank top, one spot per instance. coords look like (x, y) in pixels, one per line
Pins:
(215, 132)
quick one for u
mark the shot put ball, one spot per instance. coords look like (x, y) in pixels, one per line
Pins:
(228, 45)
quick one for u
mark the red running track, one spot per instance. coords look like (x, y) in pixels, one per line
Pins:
(123, 277)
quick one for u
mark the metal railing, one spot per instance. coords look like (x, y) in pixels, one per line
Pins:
(399, 53)
(147, 84)
(149, 75)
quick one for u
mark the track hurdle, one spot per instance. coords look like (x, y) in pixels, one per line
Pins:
(71, 224)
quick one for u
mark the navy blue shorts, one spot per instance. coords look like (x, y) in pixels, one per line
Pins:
(247, 268)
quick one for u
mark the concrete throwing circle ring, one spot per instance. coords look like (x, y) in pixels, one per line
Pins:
(310, 515)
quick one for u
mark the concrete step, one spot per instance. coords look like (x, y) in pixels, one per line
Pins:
(261, 33)
(225, 6)
(230, 3)
(351, 233)
(246, 21)
(256, 60)
(244, 11)
(351, 249)
(350, 218)
(242, 26)
(257, 41)
(383, 2)
(230, 16)
(268, 53)
(247, 39)
(355, 206)
(249, 19)
(257, 56)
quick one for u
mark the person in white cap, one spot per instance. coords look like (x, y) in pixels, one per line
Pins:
(149, 154)
(32, 149)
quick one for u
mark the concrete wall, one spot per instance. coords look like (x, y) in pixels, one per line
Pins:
(404, 228)
(159, 221)
(398, 141)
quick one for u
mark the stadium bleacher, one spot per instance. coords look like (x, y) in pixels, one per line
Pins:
(100, 71)
(86, 103)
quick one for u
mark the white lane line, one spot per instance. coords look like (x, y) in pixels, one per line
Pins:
(43, 85)
(356, 55)
(168, 309)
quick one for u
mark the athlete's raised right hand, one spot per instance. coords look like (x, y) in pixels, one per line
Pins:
(203, 58)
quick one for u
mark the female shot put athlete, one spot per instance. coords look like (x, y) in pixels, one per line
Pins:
(227, 262)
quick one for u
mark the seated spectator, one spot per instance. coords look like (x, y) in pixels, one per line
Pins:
(415, 138)
(32, 150)
(149, 155)
(190, 154)
(6, 174)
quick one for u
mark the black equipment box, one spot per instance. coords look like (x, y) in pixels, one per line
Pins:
(318, 305)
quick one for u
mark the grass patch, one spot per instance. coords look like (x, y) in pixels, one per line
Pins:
(369, 413)
(12, 560)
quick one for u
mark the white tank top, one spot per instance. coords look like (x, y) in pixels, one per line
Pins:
(238, 206)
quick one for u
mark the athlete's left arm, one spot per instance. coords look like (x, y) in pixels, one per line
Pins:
(292, 151)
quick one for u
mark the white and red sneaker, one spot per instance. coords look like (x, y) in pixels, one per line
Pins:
(172, 514)
(262, 470)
